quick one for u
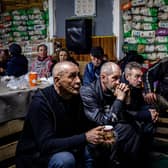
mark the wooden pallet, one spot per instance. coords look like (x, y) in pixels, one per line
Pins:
(9, 133)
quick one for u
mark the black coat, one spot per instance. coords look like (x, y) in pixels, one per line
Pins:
(51, 125)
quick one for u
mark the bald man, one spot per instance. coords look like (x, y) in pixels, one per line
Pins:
(104, 103)
(56, 131)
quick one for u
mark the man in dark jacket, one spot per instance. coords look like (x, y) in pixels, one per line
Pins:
(56, 130)
(139, 114)
(156, 84)
(18, 63)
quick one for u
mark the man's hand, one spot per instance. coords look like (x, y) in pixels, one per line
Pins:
(150, 98)
(154, 115)
(95, 135)
(121, 91)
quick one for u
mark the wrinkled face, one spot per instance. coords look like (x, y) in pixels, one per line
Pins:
(42, 52)
(135, 78)
(63, 56)
(69, 82)
(96, 61)
(111, 81)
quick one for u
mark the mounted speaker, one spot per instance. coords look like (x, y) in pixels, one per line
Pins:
(78, 35)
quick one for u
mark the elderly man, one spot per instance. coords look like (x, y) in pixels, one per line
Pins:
(56, 131)
(141, 115)
(103, 103)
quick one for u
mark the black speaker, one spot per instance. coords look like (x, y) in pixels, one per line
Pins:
(78, 35)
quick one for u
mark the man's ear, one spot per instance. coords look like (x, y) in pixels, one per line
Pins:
(102, 76)
(56, 80)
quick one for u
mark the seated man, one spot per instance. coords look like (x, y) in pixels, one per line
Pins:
(103, 100)
(142, 116)
(92, 69)
(56, 130)
(157, 94)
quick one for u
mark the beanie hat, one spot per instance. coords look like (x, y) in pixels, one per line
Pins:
(15, 49)
(97, 52)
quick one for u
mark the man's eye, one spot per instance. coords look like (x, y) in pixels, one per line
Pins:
(74, 75)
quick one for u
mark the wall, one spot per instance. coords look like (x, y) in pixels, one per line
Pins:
(102, 21)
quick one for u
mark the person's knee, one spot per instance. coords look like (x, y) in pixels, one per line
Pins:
(62, 159)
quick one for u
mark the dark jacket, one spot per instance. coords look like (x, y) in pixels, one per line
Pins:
(157, 72)
(17, 66)
(100, 108)
(51, 125)
(137, 109)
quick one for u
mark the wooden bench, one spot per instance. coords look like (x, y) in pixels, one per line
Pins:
(9, 135)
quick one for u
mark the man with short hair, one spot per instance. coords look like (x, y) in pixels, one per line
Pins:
(92, 69)
(56, 131)
(140, 115)
(103, 102)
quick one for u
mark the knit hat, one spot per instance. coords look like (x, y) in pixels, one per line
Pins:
(97, 52)
(15, 49)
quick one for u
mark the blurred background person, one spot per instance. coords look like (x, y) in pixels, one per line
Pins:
(156, 84)
(92, 69)
(18, 63)
(43, 63)
(64, 55)
(4, 57)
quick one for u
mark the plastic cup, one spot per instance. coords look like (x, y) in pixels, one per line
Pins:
(32, 79)
(108, 132)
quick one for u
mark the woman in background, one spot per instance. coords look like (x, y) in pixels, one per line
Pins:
(64, 55)
(43, 63)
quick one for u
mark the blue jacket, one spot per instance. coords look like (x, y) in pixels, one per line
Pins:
(91, 73)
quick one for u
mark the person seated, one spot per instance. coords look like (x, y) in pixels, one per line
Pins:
(156, 84)
(64, 55)
(141, 115)
(92, 69)
(18, 63)
(43, 63)
(4, 57)
(103, 100)
(56, 131)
